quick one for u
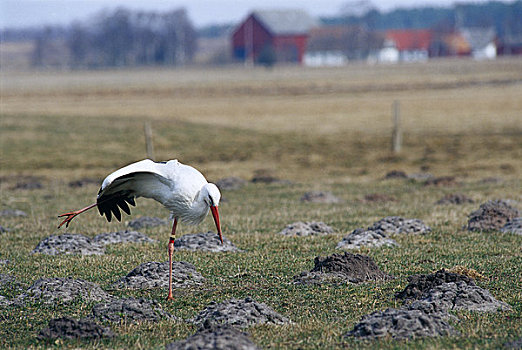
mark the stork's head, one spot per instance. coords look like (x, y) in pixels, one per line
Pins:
(211, 196)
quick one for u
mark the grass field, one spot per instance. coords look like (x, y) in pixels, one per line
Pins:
(323, 129)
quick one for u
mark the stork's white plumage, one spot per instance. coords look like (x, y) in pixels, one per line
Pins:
(183, 190)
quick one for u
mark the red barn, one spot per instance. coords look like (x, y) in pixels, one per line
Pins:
(282, 33)
(413, 44)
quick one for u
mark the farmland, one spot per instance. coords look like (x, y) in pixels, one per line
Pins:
(321, 129)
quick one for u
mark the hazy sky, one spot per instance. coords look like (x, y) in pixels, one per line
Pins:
(22, 13)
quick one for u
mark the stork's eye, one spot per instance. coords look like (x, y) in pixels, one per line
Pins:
(210, 201)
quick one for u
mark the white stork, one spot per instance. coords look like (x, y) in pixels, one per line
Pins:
(180, 188)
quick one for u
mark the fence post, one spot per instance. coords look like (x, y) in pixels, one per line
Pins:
(148, 140)
(397, 128)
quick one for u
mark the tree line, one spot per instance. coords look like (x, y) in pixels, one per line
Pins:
(119, 38)
(505, 17)
(131, 38)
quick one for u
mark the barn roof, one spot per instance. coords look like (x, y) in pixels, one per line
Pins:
(285, 22)
(410, 39)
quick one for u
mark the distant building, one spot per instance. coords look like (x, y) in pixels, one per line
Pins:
(388, 53)
(325, 59)
(336, 45)
(327, 46)
(410, 45)
(455, 44)
(481, 42)
(281, 34)
(510, 45)
(451, 44)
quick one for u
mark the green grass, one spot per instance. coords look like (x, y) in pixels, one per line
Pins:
(322, 314)
(348, 157)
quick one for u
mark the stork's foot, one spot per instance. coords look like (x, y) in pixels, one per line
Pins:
(170, 297)
(70, 216)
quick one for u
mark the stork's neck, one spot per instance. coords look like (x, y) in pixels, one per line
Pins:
(199, 209)
(199, 202)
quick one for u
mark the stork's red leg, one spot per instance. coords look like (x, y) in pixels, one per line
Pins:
(171, 251)
(71, 215)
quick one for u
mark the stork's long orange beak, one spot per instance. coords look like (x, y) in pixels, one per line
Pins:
(215, 214)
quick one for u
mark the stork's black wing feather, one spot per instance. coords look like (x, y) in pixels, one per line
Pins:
(109, 205)
(121, 192)
(116, 211)
(123, 205)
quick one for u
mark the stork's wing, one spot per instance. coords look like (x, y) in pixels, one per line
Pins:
(142, 179)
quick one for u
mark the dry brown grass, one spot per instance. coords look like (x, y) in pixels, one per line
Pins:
(472, 273)
(459, 117)
(447, 96)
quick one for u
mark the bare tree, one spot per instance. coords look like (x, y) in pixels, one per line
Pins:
(50, 49)
(78, 43)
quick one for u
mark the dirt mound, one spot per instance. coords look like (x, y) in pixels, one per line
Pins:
(450, 291)
(146, 221)
(377, 234)
(28, 184)
(492, 215)
(230, 183)
(462, 296)
(84, 182)
(239, 313)
(420, 284)
(206, 242)
(69, 328)
(266, 176)
(122, 237)
(396, 174)
(320, 197)
(513, 226)
(12, 213)
(312, 228)
(156, 275)
(68, 243)
(378, 198)
(401, 324)
(365, 238)
(420, 177)
(63, 290)
(347, 267)
(268, 179)
(130, 310)
(455, 198)
(359, 267)
(490, 180)
(442, 181)
(399, 225)
(215, 337)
